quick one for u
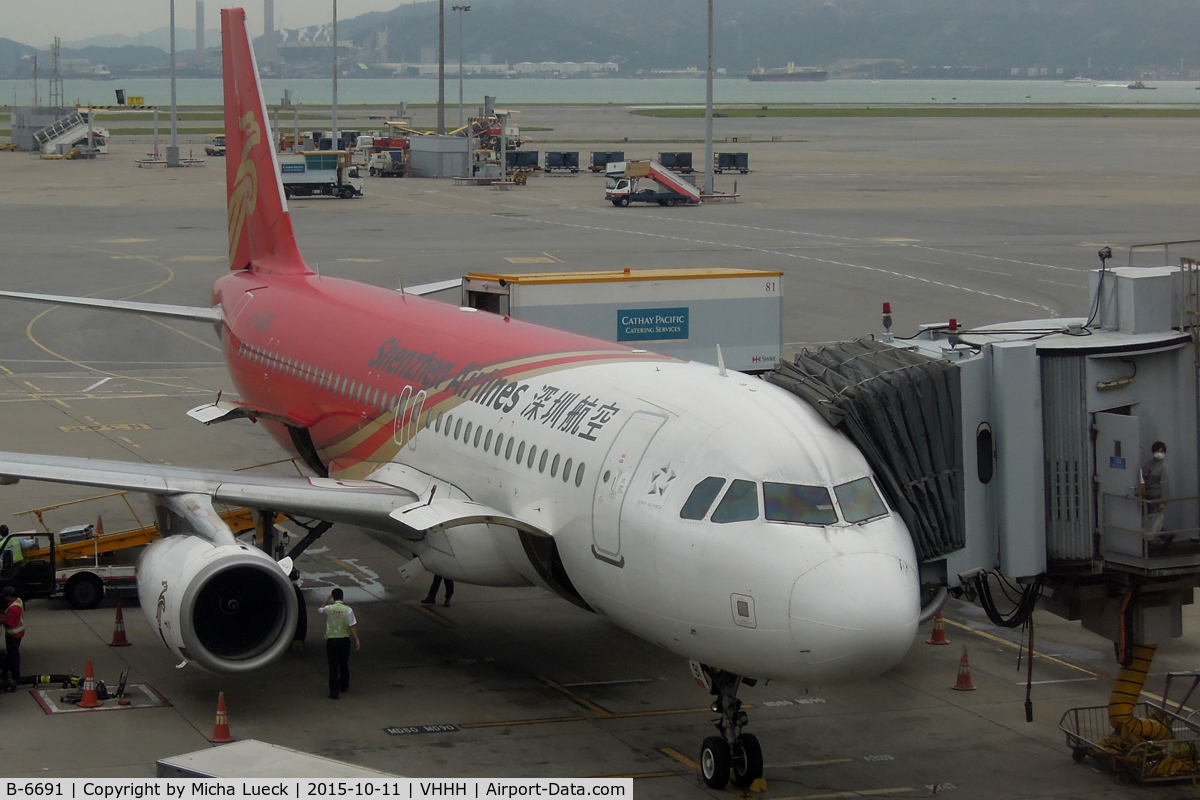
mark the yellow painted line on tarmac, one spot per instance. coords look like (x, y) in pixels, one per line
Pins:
(574, 698)
(31, 386)
(821, 763)
(662, 713)
(129, 442)
(1017, 646)
(850, 793)
(6, 369)
(513, 722)
(640, 775)
(61, 403)
(531, 260)
(209, 345)
(360, 260)
(680, 757)
(203, 259)
(429, 612)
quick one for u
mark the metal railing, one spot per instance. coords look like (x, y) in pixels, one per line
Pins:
(1125, 523)
(1166, 248)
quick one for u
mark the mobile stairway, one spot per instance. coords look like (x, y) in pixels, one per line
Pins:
(60, 135)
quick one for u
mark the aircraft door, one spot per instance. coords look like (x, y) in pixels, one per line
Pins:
(1118, 462)
(612, 483)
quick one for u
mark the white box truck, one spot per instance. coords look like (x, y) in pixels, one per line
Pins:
(680, 312)
(327, 172)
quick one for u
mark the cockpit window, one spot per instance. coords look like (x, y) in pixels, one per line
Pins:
(701, 498)
(739, 504)
(859, 500)
(790, 502)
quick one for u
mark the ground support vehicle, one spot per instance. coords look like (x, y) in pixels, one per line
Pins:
(389, 164)
(214, 144)
(320, 173)
(731, 162)
(647, 182)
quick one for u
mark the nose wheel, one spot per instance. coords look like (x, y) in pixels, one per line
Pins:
(733, 755)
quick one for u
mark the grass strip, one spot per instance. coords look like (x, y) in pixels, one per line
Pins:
(1044, 112)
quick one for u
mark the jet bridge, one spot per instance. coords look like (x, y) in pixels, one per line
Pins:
(1019, 449)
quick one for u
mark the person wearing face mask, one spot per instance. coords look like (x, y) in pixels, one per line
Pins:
(1155, 490)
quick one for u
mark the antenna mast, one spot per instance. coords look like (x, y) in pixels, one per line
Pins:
(56, 81)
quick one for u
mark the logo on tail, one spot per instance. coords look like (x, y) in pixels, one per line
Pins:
(243, 190)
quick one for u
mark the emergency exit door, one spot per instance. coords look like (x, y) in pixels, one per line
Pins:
(1118, 466)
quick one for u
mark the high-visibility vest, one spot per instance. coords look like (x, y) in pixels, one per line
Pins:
(19, 629)
(337, 624)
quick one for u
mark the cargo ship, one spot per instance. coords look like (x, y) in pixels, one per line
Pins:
(789, 73)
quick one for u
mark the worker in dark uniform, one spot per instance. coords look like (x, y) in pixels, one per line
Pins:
(1155, 490)
(14, 630)
(431, 598)
(340, 626)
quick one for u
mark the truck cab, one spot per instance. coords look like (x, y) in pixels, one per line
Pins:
(214, 144)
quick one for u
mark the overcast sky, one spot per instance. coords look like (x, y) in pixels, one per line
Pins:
(37, 23)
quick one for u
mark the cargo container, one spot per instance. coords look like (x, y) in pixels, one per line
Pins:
(732, 162)
(522, 159)
(677, 162)
(602, 158)
(562, 160)
(685, 313)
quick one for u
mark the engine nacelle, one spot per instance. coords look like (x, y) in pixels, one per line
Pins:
(229, 608)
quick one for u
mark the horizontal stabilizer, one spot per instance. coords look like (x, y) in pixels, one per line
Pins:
(192, 313)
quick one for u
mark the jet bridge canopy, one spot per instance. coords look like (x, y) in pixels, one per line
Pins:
(901, 409)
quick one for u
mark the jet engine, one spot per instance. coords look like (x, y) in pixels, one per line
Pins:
(228, 607)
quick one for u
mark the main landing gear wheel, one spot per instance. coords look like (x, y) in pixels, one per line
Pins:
(714, 762)
(747, 760)
(732, 751)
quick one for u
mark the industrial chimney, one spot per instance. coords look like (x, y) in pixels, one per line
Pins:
(200, 54)
(268, 48)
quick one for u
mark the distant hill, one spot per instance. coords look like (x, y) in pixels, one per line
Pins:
(185, 38)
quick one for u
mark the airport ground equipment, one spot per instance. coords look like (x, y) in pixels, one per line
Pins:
(320, 173)
(214, 144)
(685, 313)
(677, 162)
(732, 162)
(73, 131)
(560, 160)
(602, 158)
(648, 182)
(522, 159)
(388, 164)
(251, 758)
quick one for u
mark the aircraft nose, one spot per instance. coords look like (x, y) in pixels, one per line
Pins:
(855, 613)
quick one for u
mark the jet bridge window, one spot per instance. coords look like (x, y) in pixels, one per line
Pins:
(701, 498)
(860, 501)
(790, 502)
(739, 504)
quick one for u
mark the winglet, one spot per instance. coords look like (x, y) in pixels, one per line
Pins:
(260, 228)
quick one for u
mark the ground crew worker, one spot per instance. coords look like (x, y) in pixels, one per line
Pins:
(340, 626)
(431, 598)
(14, 630)
(1155, 489)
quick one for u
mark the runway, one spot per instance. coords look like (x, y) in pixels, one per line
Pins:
(982, 220)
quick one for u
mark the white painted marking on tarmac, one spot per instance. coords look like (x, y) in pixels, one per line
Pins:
(100, 382)
(1060, 283)
(814, 259)
(990, 271)
(1062, 680)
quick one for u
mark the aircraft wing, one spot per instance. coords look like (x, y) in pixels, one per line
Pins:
(362, 503)
(192, 313)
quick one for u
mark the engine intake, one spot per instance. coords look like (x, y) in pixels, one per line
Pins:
(229, 608)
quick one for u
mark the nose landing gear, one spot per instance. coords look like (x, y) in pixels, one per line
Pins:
(733, 754)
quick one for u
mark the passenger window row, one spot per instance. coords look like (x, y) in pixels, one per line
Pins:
(322, 379)
(473, 435)
(859, 501)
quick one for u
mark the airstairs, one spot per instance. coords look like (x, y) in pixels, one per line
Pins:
(665, 177)
(69, 129)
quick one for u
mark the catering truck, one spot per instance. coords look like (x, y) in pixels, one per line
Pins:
(325, 172)
(685, 313)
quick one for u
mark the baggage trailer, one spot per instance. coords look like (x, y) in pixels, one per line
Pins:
(325, 172)
(685, 313)
(677, 162)
(522, 159)
(602, 158)
(731, 162)
(568, 161)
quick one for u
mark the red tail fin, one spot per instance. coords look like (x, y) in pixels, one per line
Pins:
(260, 228)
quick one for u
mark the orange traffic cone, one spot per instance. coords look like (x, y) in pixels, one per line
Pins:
(221, 729)
(939, 631)
(89, 699)
(119, 638)
(964, 674)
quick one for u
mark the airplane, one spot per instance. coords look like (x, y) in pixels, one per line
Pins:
(705, 511)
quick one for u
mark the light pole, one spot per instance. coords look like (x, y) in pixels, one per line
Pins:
(461, 10)
(173, 150)
(708, 110)
(441, 129)
(334, 133)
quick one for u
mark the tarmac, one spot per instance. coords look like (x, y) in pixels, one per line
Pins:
(983, 220)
